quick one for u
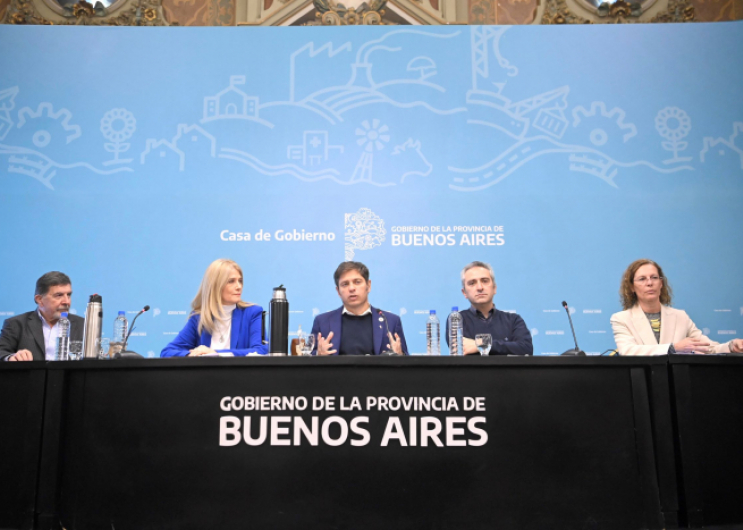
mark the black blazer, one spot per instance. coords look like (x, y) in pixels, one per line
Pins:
(24, 332)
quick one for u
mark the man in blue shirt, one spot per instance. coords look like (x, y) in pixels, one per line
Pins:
(508, 330)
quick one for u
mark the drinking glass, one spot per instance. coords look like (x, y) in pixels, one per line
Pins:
(307, 343)
(103, 345)
(484, 342)
(76, 350)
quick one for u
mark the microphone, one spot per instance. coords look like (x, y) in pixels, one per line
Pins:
(124, 353)
(576, 350)
(385, 351)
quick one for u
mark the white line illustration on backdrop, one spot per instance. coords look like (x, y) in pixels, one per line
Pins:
(544, 113)
(163, 149)
(599, 136)
(42, 138)
(721, 146)
(602, 128)
(46, 129)
(331, 103)
(361, 89)
(425, 66)
(500, 112)
(188, 139)
(280, 169)
(117, 126)
(372, 74)
(421, 166)
(314, 150)
(673, 124)
(371, 138)
(7, 103)
(232, 104)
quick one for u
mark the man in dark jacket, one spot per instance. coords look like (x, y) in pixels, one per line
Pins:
(509, 333)
(33, 336)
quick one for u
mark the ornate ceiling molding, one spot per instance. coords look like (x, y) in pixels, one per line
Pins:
(677, 11)
(323, 12)
(620, 12)
(332, 13)
(124, 13)
(557, 12)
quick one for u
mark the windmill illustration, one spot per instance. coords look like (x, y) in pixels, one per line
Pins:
(371, 137)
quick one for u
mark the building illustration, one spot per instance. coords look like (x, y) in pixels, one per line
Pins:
(163, 149)
(315, 148)
(231, 103)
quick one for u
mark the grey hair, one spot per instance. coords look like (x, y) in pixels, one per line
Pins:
(49, 280)
(478, 264)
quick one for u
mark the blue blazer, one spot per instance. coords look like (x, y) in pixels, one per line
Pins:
(245, 335)
(332, 321)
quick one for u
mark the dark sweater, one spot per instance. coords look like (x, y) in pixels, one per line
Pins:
(357, 336)
(509, 332)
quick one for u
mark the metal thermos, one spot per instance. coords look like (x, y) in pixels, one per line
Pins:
(93, 323)
(279, 322)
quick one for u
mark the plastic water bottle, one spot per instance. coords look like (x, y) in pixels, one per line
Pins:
(456, 347)
(433, 334)
(63, 340)
(121, 326)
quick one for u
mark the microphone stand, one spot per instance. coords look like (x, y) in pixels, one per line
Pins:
(385, 351)
(124, 353)
(576, 350)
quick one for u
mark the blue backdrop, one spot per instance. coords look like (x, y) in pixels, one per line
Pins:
(131, 158)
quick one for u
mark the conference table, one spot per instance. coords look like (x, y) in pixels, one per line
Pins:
(21, 414)
(709, 409)
(370, 442)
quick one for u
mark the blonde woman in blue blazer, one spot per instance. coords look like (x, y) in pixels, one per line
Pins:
(220, 322)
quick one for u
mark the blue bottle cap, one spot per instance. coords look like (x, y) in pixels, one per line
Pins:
(64, 314)
(433, 312)
(122, 312)
(455, 308)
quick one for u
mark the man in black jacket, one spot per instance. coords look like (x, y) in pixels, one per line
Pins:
(33, 336)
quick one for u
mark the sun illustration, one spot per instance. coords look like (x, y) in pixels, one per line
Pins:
(372, 135)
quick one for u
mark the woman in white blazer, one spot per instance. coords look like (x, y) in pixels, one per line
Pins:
(649, 325)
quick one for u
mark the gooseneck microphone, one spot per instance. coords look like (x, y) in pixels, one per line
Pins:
(124, 353)
(385, 350)
(576, 350)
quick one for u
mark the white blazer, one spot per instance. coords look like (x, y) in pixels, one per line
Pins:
(634, 336)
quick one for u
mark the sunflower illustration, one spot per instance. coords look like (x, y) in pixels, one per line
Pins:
(672, 123)
(118, 125)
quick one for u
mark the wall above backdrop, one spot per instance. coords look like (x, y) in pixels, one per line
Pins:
(363, 12)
